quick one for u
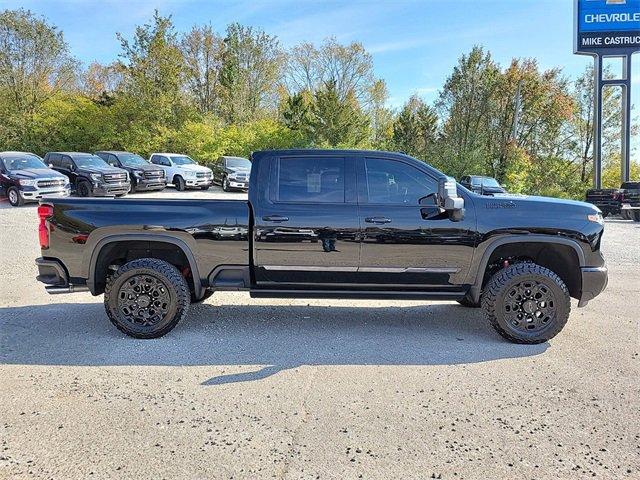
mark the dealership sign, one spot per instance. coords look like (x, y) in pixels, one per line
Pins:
(607, 27)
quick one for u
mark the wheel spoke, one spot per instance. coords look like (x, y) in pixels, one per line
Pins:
(529, 306)
(144, 300)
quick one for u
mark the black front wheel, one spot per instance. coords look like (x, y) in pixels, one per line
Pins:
(206, 187)
(526, 303)
(146, 298)
(180, 183)
(84, 189)
(15, 199)
(225, 184)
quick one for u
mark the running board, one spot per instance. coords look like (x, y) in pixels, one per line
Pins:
(357, 294)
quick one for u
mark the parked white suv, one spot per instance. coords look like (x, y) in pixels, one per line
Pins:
(183, 171)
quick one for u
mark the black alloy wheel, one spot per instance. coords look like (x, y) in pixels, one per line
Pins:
(146, 298)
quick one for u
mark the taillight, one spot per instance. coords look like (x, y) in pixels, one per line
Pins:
(44, 212)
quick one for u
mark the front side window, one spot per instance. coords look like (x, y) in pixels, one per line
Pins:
(396, 183)
(316, 180)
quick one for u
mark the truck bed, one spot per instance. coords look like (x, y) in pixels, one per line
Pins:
(215, 231)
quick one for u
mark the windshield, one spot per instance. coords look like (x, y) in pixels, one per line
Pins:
(132, 160)
(182, 160)
(89, 161)
(485, 182)
(238, 163)
(20, 162)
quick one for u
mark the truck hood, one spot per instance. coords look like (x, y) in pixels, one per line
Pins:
(194, 168)
(239, 170)
(35, 173)
(105, 169)
(144, 168)
(535, 214)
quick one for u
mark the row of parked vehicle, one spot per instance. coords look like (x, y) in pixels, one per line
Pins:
(25, 177)
(623, 201)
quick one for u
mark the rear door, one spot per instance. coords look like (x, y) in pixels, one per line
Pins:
(306, 224)
(403, 244)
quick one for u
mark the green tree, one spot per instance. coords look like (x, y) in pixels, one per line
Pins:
(335, 122)
(203, 52)
(152, 66)
(35, 65)
(251, 66)
(415, 129)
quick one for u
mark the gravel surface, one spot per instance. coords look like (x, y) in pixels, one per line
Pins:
(313, 389)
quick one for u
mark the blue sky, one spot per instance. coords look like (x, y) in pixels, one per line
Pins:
(414, 44)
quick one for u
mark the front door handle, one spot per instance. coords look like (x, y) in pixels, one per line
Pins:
(275, 218)
(378, 220)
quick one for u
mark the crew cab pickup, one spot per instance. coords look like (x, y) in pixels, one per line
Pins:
(330, 224)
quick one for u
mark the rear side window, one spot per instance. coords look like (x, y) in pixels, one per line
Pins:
(396, 183)
(309, 179)
(160, 160)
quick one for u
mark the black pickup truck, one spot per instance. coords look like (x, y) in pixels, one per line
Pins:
(617, 201)
(330, 224)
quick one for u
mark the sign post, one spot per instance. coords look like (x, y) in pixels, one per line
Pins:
(609, 29)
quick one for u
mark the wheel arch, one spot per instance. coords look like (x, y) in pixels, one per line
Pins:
(545, 250)
(95, 268)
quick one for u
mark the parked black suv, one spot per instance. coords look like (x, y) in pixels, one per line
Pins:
(232, 173)
(89, 174)
(143, 175)
(482, 185)
(24, 178)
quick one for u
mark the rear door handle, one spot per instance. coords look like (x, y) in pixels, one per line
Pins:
(275, 218)
(377, 220)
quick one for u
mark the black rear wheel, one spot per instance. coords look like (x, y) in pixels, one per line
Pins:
(146, 298)
(526, 303)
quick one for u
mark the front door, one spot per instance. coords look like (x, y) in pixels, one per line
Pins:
(306, 228)
(403, 244)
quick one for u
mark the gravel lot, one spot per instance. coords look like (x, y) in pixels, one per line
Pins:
(313, 389)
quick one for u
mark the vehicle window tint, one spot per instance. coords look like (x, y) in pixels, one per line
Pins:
(111, 160)
(65, 162)
(396, 183)
(319, 180)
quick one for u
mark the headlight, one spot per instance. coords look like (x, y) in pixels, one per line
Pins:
(138, 173)
(96, 177)
(596, 217)
(27, 183)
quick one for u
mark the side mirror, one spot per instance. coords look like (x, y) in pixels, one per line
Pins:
(51, 165)
(449, 200)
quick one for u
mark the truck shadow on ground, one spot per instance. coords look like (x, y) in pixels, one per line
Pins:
(272, 338)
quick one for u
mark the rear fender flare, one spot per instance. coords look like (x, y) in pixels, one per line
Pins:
(148, 237)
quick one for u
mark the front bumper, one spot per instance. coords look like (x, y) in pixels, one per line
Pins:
(111, 189)
(147, 185)
(238, 184)
(594, 281)
(35, 194)
(199, 182)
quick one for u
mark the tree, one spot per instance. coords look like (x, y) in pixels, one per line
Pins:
(349, 67)
(251, 65)
(415, 128)
(152, 65)
(335, 122)
(380, 116)
(203, 52)
(35, 65)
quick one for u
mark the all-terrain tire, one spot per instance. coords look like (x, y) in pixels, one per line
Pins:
(175, 298)
(469, 303)
(180, 184)
(497, 305)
